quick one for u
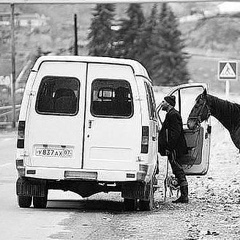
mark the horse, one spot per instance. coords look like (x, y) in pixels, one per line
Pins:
(227, 113)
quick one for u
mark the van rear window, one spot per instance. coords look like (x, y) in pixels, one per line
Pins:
(111, 98)
(58, 95)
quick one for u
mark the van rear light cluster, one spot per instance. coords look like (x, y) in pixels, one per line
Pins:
(19, 163)
(145, 139)
(20, 167)
(21, 134)
(143, 167)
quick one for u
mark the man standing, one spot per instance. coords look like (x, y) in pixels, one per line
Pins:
(173, 144)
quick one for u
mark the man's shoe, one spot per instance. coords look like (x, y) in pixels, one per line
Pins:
(181, 200)
(184, 195)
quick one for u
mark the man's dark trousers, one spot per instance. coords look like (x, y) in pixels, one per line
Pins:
(177, 169)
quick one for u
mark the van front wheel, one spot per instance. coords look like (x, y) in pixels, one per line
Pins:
(24, 201)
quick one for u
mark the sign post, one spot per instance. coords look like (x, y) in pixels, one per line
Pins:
(227, 71)
(13, 77)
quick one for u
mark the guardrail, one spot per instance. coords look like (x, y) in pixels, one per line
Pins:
(9, 107)
(5, 111)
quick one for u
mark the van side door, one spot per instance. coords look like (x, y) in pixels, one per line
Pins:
(196, 161)
(153, 123)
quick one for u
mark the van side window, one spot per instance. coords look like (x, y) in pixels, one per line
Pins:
(111, 98)
(58, 95)
(151, 102)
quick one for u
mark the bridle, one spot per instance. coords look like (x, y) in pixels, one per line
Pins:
(198, 118)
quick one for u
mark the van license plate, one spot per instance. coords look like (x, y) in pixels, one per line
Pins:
(54, 152)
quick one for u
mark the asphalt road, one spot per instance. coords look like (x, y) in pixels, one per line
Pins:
(63, 208)
(17, 223)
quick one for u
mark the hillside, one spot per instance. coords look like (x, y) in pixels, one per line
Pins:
(218, 34)
(58, 35)
(208, 40)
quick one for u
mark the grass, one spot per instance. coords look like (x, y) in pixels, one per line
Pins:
(205, 69)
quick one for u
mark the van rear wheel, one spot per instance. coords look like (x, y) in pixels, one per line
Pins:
(130, 204)
(40, 202)
(148, 205)
(24, 201)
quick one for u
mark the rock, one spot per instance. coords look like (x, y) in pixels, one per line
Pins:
(203, 232)
(215, 233)
(208, 232)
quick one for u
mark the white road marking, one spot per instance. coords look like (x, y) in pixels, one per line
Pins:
(5, 165)
(5, 140)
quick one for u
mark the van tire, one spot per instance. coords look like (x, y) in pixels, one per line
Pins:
(24, 201)
(130, 204)
(40, 202)
(148, 205)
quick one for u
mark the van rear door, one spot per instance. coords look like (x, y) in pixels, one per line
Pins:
(112, 139)
(54, 125)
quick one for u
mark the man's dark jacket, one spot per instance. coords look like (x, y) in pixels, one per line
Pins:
(171, 136)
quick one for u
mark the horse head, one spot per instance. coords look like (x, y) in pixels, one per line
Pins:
(200, 111)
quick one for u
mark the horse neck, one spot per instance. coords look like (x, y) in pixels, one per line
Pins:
(224, 111)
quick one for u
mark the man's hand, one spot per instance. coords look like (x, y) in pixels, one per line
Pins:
(168, 152)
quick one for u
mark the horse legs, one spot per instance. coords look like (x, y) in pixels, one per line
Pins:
(235, 135)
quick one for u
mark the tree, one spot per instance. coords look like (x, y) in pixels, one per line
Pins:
(169, 63)
(128, 35)
(146, 39)
(101, 35)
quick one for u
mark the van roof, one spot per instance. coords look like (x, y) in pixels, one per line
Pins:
(137, 67)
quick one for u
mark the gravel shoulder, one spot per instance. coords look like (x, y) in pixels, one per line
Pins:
(213, 211)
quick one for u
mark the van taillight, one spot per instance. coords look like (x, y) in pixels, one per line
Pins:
(145, 139)
(21, 134)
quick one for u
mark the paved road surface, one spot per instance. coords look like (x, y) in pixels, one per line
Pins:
(16, 223)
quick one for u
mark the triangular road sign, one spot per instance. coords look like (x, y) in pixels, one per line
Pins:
(227, 70)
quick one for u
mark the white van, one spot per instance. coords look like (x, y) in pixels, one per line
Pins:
(87, 125)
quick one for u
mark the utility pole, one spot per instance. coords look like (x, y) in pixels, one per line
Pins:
(13, 78)
(75, 36)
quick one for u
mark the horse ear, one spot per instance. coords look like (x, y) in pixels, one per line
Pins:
(205, 92)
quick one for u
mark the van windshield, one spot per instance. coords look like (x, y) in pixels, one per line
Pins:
(58, 95)
(111, 98)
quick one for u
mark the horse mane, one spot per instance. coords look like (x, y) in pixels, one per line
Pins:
(228, 113)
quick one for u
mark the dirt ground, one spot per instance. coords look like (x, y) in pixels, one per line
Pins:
(213, 211)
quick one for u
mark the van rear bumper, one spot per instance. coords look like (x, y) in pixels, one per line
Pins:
(82, 174)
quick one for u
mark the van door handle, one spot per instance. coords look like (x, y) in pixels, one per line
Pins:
(90, 123)
(154, 138)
